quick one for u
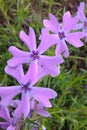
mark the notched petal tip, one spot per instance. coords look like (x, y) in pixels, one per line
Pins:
(68, 13)
(21, 34)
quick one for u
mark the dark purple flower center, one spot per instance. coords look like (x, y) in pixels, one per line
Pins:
(85, 24)
(26, 87)
(61, 35)
(34, 55)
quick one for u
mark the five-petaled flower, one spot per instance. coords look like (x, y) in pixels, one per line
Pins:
(63, 34)
(35, 55)
(12, 121)
(83, 20)
(27, 89)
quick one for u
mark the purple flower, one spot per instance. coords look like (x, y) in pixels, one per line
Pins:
(35, 55)
(80, 12)
(38, 108)
(7, 94)
(27, 89)
(83, 20)
(10, 122)
(63, 34)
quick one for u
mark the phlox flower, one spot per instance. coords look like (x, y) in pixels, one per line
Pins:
(83, 20)
(15, 120)
(38, 108)
(35, 54)
(11, 122)
(27, 89)
(63, 34)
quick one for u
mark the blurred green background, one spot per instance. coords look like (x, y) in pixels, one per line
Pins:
(69, 111)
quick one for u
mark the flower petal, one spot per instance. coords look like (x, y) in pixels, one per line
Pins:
(62, 48)
(16, 61)
(41, 73)
(78, 26)
(68, 22)
(31, 73)
(47, 40)
(43, 127)
(16, 72)
(40, 110)
(4, 125)
(19, 58)
(11, 127)
(52, 24)
(17, 52)
(8, 93)
(4, 113)
(80, 12)
(50, 64)
(43, 95)
(23, 108)
(29, 40)
(74, 39)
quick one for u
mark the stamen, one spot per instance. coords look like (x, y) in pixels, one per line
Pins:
(34, 55)
(26, 88)
(61, 35)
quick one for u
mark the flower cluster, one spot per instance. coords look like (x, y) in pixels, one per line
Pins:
(33, 98)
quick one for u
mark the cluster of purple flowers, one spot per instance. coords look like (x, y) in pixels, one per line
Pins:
(33, 98)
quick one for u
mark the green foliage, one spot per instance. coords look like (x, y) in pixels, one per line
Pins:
(69, 111)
